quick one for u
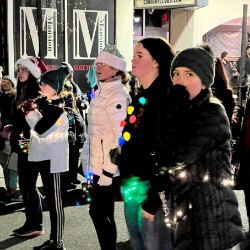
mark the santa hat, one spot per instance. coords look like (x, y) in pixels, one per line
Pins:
(34, 64)
(112, 57)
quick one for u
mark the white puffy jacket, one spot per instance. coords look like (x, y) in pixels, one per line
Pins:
(106, 111)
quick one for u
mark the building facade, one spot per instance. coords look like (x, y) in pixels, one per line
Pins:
(185, 25)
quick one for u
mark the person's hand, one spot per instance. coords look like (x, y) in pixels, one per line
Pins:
(6, 131)
(104, 180)
(147, 216)
(178, 97)
(27, 106)
(234, 120)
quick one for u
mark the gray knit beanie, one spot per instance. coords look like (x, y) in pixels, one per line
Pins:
(199, 60)
(111, 56)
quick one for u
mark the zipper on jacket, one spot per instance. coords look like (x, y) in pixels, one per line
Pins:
(102, 152)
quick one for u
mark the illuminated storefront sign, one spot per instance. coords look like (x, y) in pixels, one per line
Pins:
(73, 31)
(169, 3)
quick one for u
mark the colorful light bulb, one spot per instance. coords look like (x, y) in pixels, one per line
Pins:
(126, 136)
(130, 110)
(122, 123)
(132, 119)
(142, 100)
(121, 141)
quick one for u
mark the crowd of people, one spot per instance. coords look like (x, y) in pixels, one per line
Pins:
(160, 136)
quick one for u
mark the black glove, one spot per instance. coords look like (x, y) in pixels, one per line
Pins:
(178, 98)
(114, 154)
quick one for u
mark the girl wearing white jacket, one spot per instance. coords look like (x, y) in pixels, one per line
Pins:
(108, 108)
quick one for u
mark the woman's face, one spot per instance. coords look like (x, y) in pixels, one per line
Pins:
(6, 85)
(22, 73)
(104, 72)
(248, 52)
(47, 90)
(186, 77)
(142, 63)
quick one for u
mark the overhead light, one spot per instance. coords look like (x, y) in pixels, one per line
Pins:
(137, 19)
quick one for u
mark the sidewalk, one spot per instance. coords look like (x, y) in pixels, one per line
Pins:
(79, 230)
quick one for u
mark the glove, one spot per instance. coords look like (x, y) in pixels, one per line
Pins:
(27, 106)
(178, 97)
(105, 178)
(114, 154)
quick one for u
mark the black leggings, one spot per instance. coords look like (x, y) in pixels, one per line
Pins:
(102, 212)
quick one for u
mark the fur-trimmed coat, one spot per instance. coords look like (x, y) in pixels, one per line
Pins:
(195, 136)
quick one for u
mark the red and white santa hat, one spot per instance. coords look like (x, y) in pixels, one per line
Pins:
(34, 64)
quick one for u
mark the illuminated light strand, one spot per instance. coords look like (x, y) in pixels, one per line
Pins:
(172, 219)
(86, 187)
(132, 119)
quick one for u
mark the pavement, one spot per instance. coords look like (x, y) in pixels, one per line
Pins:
(79, 231)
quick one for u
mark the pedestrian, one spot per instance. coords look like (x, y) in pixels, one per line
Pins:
(107, 109)
(48, 149)
(150, 65)
(227, 65)
(7, 95)
(241, 159)
(247, 62)
(81, 100)
(194, 154)
(222, 90)
(29, 70)
(77, 132)
(244, 81)
(78, 128)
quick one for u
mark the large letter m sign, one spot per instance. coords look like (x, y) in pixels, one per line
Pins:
(89, 27)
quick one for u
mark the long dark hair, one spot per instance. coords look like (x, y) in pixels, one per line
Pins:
(27, 90)
(162, 51)
(221, 79)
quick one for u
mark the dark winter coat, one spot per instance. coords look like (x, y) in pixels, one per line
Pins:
(247, 65)
(242, 152)
(27, 90)
(6, 99)
(225, 95)
(77, 127)
(199, 143)
(137, 153)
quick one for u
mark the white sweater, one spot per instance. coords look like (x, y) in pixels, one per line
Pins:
(51, 145)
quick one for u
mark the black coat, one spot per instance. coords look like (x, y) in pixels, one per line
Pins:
(6, 99)
(199, 142)
(27, 90)
(137, 153)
